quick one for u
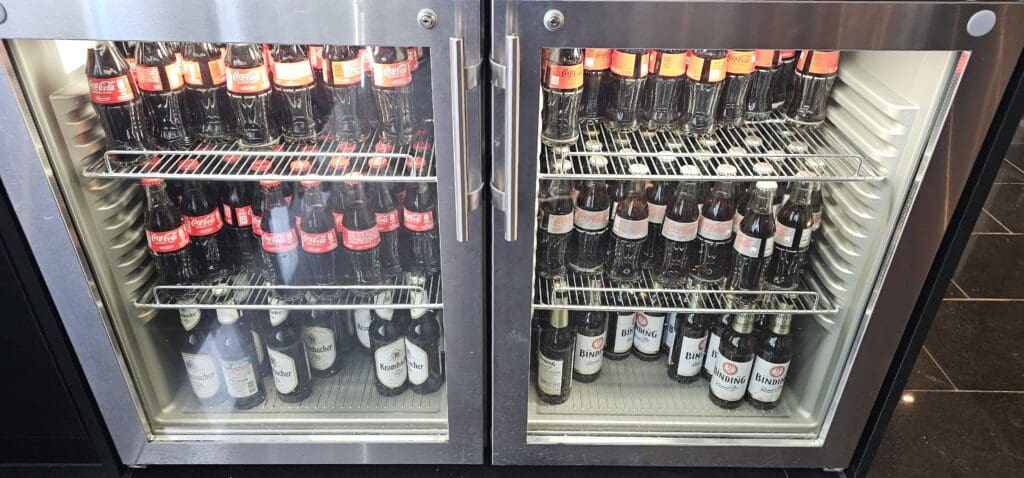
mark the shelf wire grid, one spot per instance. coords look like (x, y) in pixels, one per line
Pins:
(227, 162)
(576, 291)
(252, 291)
(786, 148)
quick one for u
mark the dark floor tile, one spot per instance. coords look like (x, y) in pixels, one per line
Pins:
(977, 344)
(1006, 204)
(1008, 173)
(926, 375)
(953, 434)
(991, 267)
(1015, 155)
(986, 223)
(953, 292)
(811, 473)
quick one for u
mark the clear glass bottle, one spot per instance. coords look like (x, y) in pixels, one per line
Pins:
(760, 99)
(739, 66)
(596, 62)
(771, 362)
(754, 244)
(663, 90)
(674, 247)
(715, 232)
(563, 90)
(705, 80)
(735, 360)
(815, 75)
(629, 231)
(626, 81)
(792, 239)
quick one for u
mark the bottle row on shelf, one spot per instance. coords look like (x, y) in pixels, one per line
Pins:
(691, 92)
(227, 352)
(169, 95)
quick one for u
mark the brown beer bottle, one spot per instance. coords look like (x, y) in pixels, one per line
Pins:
(771, 362)
(555, 358)
(735, 359)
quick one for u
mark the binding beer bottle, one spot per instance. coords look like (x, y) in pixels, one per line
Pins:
(735, 359)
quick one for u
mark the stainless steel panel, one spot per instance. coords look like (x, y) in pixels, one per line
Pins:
(39, 199)
(666, 24)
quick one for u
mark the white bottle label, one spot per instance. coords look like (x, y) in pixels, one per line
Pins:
(729, 380)
(591, 220)
(419, 363)
(691, 356)
(189, 318)
(202, 374)
(679, 231)
(668, 338)
(277, 316)
(767, 379)
(715, 230)
(319, 347)
(589, 354)
(647, 333)
(363, 319)
(286, 374)
(712, 352)
(559, 223)
(751, 246)
(630, 229)
(257, 343)
(785, 236)
(624, 324)
(240, 376)
(389, 361)
(656, 212)
(549, 375)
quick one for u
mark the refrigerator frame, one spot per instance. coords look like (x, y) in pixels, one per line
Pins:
(521, 29)
(27, 176)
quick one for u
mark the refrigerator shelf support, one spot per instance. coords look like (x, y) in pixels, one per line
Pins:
(220, 162)
(787, 149)
(251, 291)
(645, 295)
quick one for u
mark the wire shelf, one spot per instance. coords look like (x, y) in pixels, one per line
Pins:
(226, 162)
(786, 148)
(646, 295)
(252, 291)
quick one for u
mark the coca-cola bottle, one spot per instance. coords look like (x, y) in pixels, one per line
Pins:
(382, 202)
(562, 90)
(596, 62)
(590, 233)
(167, 236)
(320, 337)
(717, 325)
(745, 192)
(321, 101)
(555, 224)
(421, 247)
(658, 197)
(298, 167)
(286, 351)
(342, 77)
(675, 246)
(127, 51)
(115, 98)
(280, 243)
(209, 243)
(629, 231)
(591, 328)
(238, 204)
(207, 92)
(361, 238)
(319, 239)
(686, 360)
(387, 344)
(760, 97)
(626, 81)
(369, 102)
(555, 354)
(293, 87)
(199, 352)
(705, 76)
(739, 65)
(336, 204)
(392, 87)
(754, 243)
(784, 79)
(423, 349)
(163, 93)
(249, 93)
(816, 168)
(422, 107)
(792, 239)
(735, 359)
(239, 360)
(259, 166)
(815, 75)
(659, 105)
(714, 233)
(772, 354)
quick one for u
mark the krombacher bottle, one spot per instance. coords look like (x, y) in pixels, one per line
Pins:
(200, 356)
(423, 349)
(292, 378)
(387, 344)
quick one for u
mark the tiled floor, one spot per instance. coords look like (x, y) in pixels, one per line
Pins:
(962, 412)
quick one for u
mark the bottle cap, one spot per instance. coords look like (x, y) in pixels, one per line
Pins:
(690, 170)
(421, 145)
(417, 162)
(377, 162)
(805, 174)
(339, 162)
(628, 153)
(561, 166)
(152, 181)
(227, 316)
(815, 164)
(725, 170)
(300, 166)
(232, 158)
(797, 147)
(639, 169)
(309, 183)
(753, 141)
(260, 166)
(667, 156)
(593, 145)
(190, 164)
(383, 298)
(598, 161)
(270, 183)
(310, 148)
(764, 169)
(769, 186)
(384, 147)
(346, 147)
(737, 150)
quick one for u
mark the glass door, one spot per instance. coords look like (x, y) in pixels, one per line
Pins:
(272, 227)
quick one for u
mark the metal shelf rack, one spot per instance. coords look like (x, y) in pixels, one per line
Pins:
(646, 295)
(786, 148)
(252, 291)
(227, 162)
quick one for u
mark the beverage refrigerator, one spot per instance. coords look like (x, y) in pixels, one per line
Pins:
(632, 322)
(152, 154)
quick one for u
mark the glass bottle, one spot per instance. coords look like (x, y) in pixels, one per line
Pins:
(658, 196)
(629, 231)
(714, 233)
(626, 81)
(792, 239)
(590, 227)
(739, 65)
(815, 75)
(423, 349)
(554, 227)
(663, 91)
(760, 99)
(675, 246)
(735, 359)
(555, 358)
(199, 353)
(320, 338)
(591, 330)
(754, 244)
(717, 325)
(562, 90)
(239, 362)
(686, 360)
(771, 362)
(596, 62)
(292, 377)
(705, 80)
(387, 344)
(784, 80)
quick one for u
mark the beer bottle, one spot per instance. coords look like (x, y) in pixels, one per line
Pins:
(771, 362)
(735, 359)
(555, 358)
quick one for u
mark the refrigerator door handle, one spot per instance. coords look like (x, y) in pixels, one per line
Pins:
(510, 196)
(460, 138)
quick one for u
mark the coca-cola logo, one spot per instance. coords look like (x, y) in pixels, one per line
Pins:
(245, 76)
(314, 239)
(598, 343)
(280, 238)
(204, 221)
(729, 368)
(703, 344)
(777, 371)
(102, 86)
(640, 319)
(167, 237)
(394, 70)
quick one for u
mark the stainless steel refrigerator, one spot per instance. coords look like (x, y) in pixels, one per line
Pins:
(918, 84)
(77, 194)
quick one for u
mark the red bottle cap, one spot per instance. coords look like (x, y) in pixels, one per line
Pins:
(417, 162)
(260, 165)
(378, 162)
(153, 162)
(421, 146)
(346, 147)
(152, 181)
(270, 183)
(339, 162)
(232, 158)
(300, 166)
(383, 147)
(277, 148)
(309, 183)
(310, 148)
(190, 164)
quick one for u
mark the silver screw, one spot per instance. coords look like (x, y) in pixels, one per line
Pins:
(554, 20)
(427, 18)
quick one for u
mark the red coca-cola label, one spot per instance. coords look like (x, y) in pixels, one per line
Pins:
(392, 75)
(715, 230)
(387, 221)
(199, 226)
(248, 80)
(360, 240)
(591, 220)
(319, 243)
(257, 221)
(418, 221)
(275, 242)
(243, 213)
(316, 56)
(337, 221)
(168, 241)
(108, 91)
(148, 77)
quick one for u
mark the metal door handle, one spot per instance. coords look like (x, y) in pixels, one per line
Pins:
(511, 195)
(460, 138)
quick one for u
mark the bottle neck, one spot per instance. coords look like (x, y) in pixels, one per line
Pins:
(559, 318)
(312, 195)
(781, 324)
(743, 323)
(726, 188)
(687, 189)
(762, 202)
(157, 195)
(803, 192)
